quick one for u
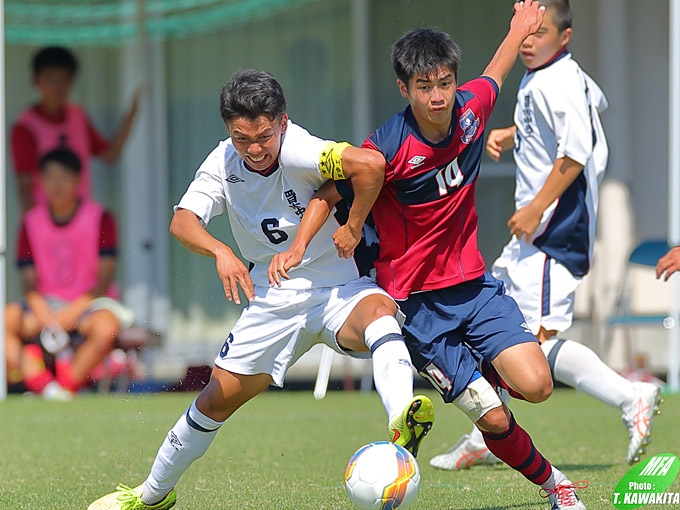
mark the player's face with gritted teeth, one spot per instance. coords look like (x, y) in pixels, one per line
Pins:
(539, 48)
(258, 141)
(431, 96)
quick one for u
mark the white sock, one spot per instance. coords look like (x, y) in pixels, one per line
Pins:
(392, 369)
(556, 477)
(187, 441)
(476, 436)
(578, 366)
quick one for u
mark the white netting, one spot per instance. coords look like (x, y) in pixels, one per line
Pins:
(110, 22)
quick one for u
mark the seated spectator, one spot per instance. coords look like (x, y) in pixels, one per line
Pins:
(66, 254)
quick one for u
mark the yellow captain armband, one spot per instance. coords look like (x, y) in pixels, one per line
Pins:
(330, 162)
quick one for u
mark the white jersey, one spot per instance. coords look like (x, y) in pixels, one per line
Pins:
(265, 210)
(557, 115)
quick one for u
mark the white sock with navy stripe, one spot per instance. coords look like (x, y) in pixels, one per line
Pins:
(392, 369)
(578, 366)
(187, 441)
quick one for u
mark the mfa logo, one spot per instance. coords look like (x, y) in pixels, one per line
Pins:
(646, 484)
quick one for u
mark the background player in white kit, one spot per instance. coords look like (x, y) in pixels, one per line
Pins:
(264, 176)
(561, 153)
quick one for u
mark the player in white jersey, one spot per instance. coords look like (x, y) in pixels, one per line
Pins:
(264, 176)
(560, 151)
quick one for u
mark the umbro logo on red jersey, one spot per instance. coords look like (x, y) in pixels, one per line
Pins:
(416, 161)
(234, 179)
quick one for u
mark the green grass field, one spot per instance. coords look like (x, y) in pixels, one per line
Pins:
(285, 450)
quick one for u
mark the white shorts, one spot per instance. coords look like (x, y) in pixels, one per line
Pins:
(543, 288)
(280, 325)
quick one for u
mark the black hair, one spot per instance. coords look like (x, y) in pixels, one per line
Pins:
(62, 156)
(561, 13)
(54, 56)
(250, 94)
(423, 50)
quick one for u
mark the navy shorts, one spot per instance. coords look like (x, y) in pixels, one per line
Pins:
(445, 328)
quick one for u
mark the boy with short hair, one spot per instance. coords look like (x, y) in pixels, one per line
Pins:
(561, 152)
(264, 176)
(54, 122)
(429, 261)
(66, 254)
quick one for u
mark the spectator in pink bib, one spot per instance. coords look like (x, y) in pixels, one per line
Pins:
(66, 254)
(54, 122)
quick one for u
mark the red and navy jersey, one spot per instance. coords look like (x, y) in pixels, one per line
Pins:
(425, 214)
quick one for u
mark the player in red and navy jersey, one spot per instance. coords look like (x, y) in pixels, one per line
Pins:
(429, 261)
(560, 151)
(432, 185)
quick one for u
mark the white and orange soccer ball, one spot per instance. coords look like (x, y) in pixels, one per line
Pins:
(381, 476)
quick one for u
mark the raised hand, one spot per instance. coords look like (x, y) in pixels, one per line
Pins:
(528, 16)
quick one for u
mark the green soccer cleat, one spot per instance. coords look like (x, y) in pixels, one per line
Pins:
(409, 428)
(126, 498)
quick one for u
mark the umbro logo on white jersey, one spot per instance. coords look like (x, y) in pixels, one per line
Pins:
(416, 161)
(234, 179)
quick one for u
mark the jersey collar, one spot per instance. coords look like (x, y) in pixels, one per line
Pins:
(264, 173)
(411, 121)
(558, 56)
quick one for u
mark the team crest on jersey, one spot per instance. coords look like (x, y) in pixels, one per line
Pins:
(416, 161)
(234, 179)
(469, 124)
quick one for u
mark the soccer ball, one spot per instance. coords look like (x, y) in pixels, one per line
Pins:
(381, 476)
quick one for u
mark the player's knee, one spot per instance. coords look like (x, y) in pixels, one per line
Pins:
(104, 330)
(539, 388)
(384, 308)
(494, 421)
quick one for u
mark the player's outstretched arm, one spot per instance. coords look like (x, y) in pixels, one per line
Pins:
(116, 147)
(189, 231)
(317, 212)
(526, 20)
(668, 264)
